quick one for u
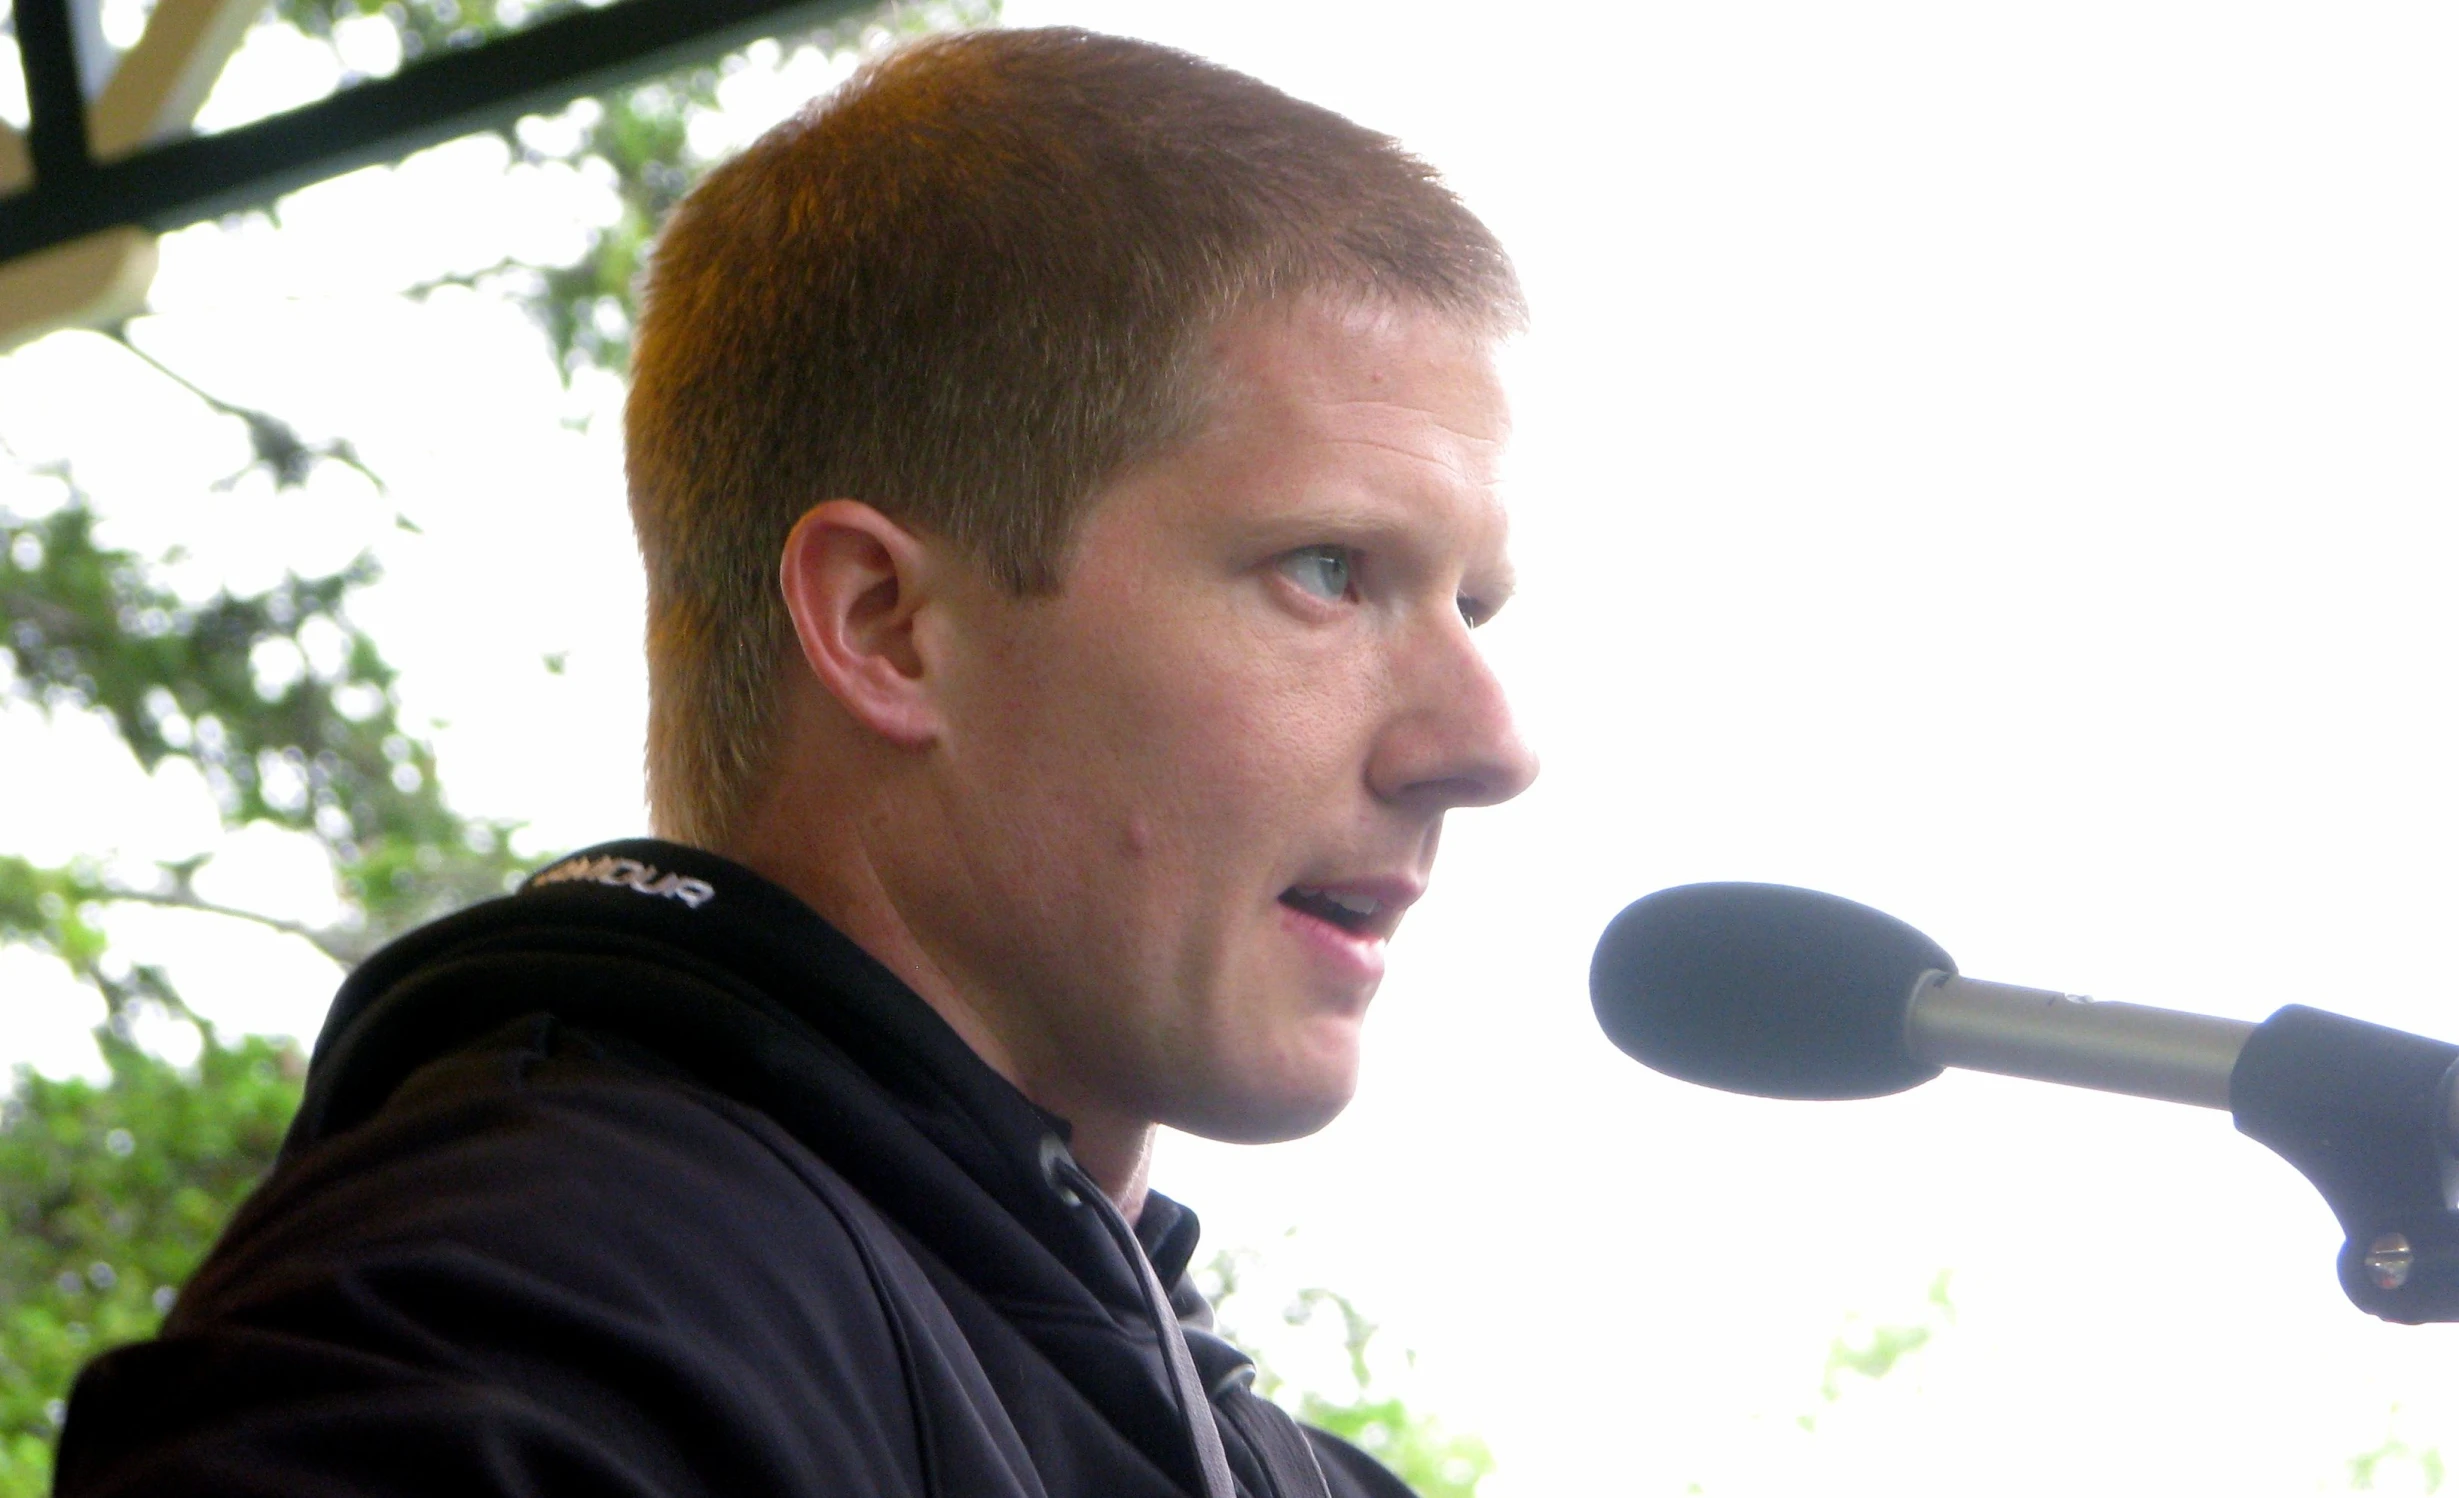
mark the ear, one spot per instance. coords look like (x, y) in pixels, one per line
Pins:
(855, 583)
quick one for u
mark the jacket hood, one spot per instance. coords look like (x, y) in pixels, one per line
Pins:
(689, 964)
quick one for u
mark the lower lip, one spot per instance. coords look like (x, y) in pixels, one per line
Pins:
(1355, 959)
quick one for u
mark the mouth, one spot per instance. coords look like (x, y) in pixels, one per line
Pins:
(1371, 914)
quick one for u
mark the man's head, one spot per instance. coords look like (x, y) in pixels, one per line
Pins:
(1065, 472)
(968, 288)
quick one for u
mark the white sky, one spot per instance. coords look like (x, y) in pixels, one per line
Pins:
(1992, 462)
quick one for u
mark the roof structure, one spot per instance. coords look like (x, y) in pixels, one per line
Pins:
(109, 159)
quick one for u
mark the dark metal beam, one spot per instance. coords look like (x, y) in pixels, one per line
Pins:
(485, 87)
(55, 93)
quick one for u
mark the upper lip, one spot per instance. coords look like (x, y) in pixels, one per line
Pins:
(1393, 894)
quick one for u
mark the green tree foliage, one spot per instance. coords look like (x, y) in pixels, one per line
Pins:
(1871, 1353)
(1352, 1402)
(635, 138)
(2418, 1468)
(109, 1197)
(638, 140)
(285, 708)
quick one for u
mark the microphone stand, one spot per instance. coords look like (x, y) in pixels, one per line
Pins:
(1786, 992)
(2365, 1113)
(2368, 1114)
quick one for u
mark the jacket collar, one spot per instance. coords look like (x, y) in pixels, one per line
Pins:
(805, 993)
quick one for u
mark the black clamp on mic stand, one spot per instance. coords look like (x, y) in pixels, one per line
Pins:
(2364, 1113)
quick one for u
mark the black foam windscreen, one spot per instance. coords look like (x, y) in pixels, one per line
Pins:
(1765, 989)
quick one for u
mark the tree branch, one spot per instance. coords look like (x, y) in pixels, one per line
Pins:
(277, 445)
(327, 942)
(468, 280)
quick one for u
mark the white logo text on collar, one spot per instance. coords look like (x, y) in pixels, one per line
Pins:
(631, 874)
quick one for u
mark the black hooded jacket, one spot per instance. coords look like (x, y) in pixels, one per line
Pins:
(646, 1181)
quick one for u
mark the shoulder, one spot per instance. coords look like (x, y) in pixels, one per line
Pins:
(537, 1247)
(535, 1154)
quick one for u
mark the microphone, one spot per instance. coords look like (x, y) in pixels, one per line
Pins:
(1790, 993)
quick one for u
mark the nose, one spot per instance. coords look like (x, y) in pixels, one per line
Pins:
(1451, 740)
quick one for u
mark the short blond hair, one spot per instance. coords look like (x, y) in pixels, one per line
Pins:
(968, 288)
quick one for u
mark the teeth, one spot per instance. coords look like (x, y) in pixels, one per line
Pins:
(1354, 904)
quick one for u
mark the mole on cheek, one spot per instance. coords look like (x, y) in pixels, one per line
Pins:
(1136, 836)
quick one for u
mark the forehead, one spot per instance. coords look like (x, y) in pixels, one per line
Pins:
(1320, 413)
(1343, 370)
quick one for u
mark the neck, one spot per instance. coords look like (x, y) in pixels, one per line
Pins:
(1118, 1156)
(837, 879)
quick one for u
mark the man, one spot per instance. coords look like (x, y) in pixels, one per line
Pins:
(1065, 472)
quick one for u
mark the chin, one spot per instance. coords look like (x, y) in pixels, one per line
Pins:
(1286, 1108)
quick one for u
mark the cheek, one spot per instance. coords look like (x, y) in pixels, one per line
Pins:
(1170, 760)
(1224, 748)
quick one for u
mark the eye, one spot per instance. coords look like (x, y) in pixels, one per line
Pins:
(1325, 572)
